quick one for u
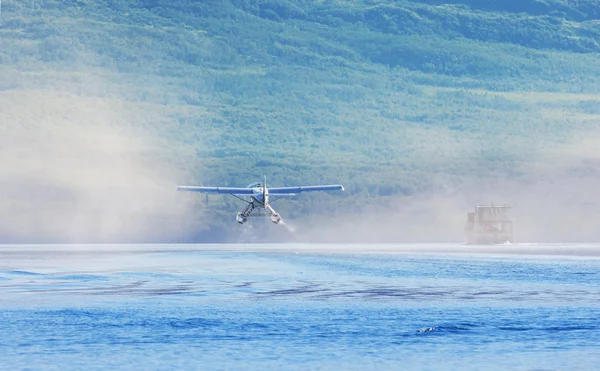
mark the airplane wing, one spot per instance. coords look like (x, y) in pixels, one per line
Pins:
(218, 190)
(277, 191)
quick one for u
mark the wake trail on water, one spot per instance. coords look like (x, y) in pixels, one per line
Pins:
(288, 227)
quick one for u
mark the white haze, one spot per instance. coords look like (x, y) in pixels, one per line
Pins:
(76, 169)
(556, 200)
(80, 167)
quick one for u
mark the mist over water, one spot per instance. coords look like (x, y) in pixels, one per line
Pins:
(552, 192)
(80, 168)
(544, 213)
(77, 169)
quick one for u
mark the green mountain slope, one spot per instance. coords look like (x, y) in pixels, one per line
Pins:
(396, 100)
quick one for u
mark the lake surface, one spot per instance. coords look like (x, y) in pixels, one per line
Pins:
(300, 307)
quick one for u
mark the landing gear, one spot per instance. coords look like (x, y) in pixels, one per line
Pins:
(275, 218)
(240, 219)
(243, 216)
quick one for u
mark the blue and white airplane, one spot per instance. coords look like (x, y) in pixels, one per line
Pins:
(256, 195)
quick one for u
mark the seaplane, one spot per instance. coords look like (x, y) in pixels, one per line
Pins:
(259, 197)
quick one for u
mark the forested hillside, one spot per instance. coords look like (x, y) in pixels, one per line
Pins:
(420, 108)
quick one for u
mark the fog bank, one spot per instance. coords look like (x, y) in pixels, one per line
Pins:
(77, 169)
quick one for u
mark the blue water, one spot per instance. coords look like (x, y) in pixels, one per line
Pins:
(184, 308)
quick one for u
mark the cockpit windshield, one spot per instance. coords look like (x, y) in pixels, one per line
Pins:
(255, 185)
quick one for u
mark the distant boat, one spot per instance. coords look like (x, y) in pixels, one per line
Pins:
(489, 225)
